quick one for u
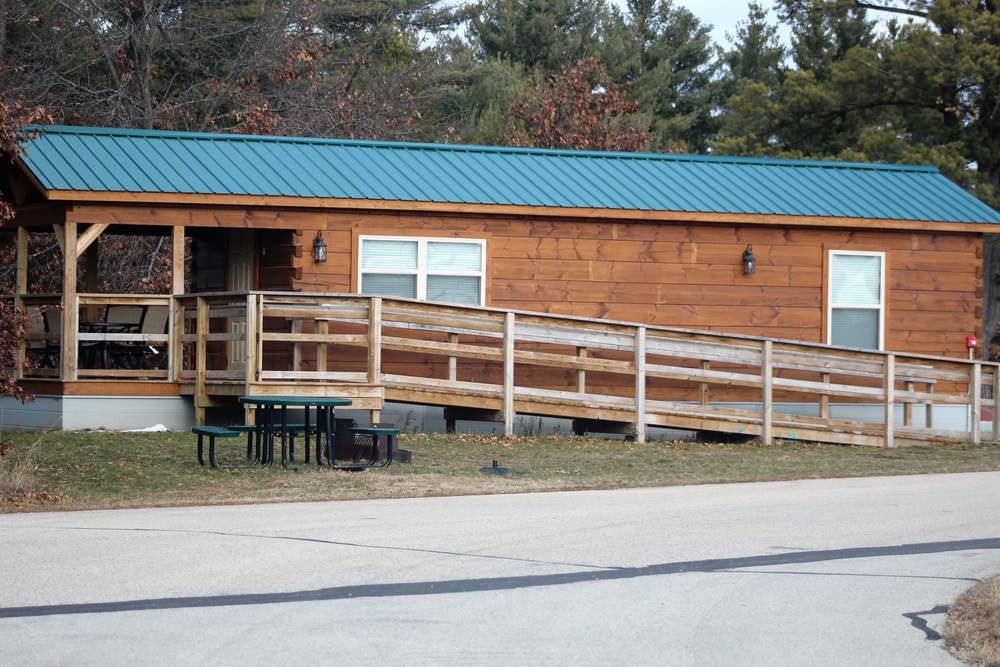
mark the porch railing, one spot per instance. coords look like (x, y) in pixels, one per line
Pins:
(98, 349)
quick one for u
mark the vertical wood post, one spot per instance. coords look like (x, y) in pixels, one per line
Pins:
(253, 342)
(200, 356)
(20, 289)
(375, 340)
(703, 386)
(995, 436)
(908, 405)
(322, 328)
(929, 410)
(22, 261)
(767, 407)
(297, 346)
(581, 375)
(375, 348)
(177, 266)
(975, 402)
(450, 423)
(175, 332)
(824, 399)
(889, 392)
(175, 329)
(640, 385)
(452, 359)
(508, 375)
(71, 306)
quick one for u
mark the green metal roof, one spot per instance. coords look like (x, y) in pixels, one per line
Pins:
(139, 161)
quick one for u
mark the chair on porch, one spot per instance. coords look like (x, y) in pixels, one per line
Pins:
(139, 354)
(40, 348)
(117, 319)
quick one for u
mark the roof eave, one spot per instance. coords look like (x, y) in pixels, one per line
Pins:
(279, 201)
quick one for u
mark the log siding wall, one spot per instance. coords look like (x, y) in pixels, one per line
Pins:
(678, 274)
(691, 275)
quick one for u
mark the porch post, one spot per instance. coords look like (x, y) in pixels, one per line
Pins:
(22, 262)
(71, 307)
(20, 289)
(177, 265)
(201, 358)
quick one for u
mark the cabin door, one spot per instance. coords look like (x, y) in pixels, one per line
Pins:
(239, 278)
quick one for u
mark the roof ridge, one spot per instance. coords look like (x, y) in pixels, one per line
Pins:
(472, 148)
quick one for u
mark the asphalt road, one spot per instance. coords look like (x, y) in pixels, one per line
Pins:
(825, 572)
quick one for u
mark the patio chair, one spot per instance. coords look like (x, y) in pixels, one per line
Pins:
(139, 354)
(117, 319)
(40, 348)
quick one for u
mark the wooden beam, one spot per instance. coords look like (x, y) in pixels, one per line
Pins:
(201, 358)
(177, 263)
(89, 237)
(20, 288)
(22, 261)
(71, 308)
(60, 231)
(114, 207)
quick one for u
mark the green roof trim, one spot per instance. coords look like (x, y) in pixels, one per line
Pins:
(150, 161)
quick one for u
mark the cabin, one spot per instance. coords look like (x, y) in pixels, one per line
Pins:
(267, 232)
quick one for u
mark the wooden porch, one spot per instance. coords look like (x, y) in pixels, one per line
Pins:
(490, 364)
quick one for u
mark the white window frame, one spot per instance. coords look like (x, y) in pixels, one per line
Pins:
(880, 307)
(422, 272)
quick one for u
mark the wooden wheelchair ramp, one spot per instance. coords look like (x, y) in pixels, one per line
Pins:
(485, 363)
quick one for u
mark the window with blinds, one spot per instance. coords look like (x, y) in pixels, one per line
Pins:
(857, 299)
(451, 270)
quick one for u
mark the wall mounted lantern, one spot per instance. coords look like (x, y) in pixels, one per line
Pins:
(749, 262)
(319, 248)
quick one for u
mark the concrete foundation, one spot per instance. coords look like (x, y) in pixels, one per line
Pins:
(72, 413)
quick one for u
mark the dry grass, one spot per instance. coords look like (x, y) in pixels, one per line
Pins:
(18, 481)
(972, 633)
(98, 470)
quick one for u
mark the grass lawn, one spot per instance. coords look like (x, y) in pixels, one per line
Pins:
(99, 470)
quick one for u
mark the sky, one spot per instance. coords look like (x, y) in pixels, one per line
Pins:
(723, 15)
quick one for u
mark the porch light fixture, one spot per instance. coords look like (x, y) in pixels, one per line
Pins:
(319, 248)
(749, 262)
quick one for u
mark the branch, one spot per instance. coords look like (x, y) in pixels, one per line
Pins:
(892, 10)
